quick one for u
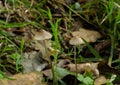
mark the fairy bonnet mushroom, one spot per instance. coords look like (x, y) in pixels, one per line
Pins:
(43, 37)
(78, 36)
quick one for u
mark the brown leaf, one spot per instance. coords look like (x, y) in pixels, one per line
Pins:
(100, 80)
(33, 78)
(81, 68)
(48, 73)
(63, 62)
(88, 35)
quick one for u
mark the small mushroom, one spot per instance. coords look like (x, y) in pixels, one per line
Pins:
(43, 36)
(75, 41)
(88, 35)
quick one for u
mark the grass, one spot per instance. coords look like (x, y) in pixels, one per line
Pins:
(8, 46)
(110, 16)
(54, 28)
(95, 53)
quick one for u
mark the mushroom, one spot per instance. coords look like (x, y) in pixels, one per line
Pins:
(43, 36)
(88, 35)
(78, 36)
(75, 41)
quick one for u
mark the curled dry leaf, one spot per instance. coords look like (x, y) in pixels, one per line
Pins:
(88, 35)
(33, 78)
(100, 80)
(81, 68)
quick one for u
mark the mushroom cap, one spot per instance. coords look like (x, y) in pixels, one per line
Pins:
(88, 35)
(42, 35)
(76, 41)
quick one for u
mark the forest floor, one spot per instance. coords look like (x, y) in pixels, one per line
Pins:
(59, 42)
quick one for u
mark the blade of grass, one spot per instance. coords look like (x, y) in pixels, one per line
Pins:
(114, 37)
(109, 10)
(4, 24)
(95, 53)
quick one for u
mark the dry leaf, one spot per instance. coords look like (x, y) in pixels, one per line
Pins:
(48, 73)
(81, 68)
(100, 80)
(62, 62)
(33, 78)
(88, 35)
(32, 61)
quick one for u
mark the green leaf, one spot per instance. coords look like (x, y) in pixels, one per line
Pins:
(61, 72)
(109, 83)
(80, 77)
(88, 81)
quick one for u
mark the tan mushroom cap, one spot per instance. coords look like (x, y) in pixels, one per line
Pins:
(42, 35)
(88, 35)
(76, 41)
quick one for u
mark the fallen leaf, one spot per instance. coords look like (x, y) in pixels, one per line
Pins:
(61, 72)
(81, 68)
(88, 35)
(62, 62)
(32, 61)
(33, 78)
(48, 73)
(100, 80)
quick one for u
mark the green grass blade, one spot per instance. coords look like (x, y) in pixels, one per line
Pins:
(95, 53)
(4, 24)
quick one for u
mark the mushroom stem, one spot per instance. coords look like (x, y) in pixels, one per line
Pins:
(47, 53)
(50, 62)
(46, 50)
(75, 60)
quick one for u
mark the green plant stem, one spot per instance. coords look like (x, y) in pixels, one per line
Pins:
(111, 51)
(75, 60)
(50, 62)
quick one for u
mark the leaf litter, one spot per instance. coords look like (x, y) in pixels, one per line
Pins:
(39, 52)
